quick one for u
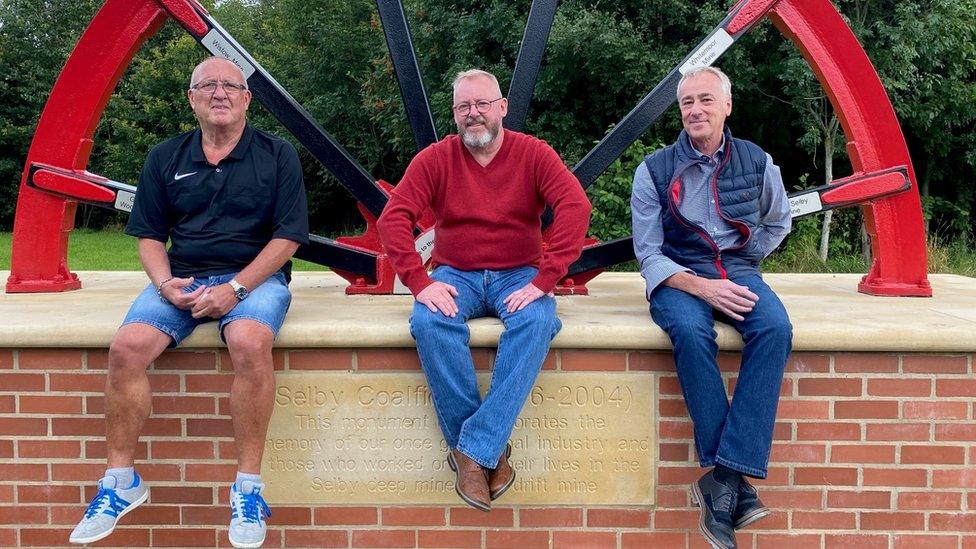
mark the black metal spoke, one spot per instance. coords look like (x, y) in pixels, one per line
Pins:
(296, 119)
(534, 39)
(400, 44)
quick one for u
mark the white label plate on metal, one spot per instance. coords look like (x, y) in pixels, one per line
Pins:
(220, 47)
(805, 204)
(714, 46)
(425, 247)
(124, 200)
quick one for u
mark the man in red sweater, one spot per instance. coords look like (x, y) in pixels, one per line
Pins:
(487, 188)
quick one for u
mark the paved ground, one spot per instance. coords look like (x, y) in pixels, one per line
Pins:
(826, 310)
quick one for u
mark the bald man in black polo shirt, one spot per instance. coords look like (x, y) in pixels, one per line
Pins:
(231, 202)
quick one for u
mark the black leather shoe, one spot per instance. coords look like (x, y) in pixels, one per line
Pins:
(749, 508)
(717, 502)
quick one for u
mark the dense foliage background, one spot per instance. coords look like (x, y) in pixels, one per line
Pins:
(602, 57)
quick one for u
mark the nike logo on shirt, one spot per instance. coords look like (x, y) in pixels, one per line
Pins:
(179, 176)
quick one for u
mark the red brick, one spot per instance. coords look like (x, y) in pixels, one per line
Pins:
(843, 499)
(826, 520)
(75, 426)
(894, 477)
(550, 363)
(316, 538)
(794, 541)
(831, 476)
(209, 427)
(208, 383)
(644, 540)
(729, 362)
(670, 497)
(48, 359)
(935, 364)
(462, 539)
(182, 449)
(900, 387)
(17, 382)
(48, 493)
(6, 359)
(829, 387)
(930, 501)
(618, 518)
(862, 453)
(948, 455)
(183, 405)
(673, 451)
(650, 361)
(185, 537)
(8, 404)
(573, 360)
(583, 540)
(806, 363)
(935, 410)
(24, 471)
(955, 432)
(668, 385)
(6, 493)
(792, 452)
(866, 409)
(672, 407)
(97, 449)
(186, 360)
(8, 537)
(858, 363)
(200, 495)
(855, 541)
(672, 519)
(557, 517)
(44, 537)
(49, 449)
(523, 539)
(78, 383)
(226, 364)
(164, 383)
(320, 359)
(6, 448)
(678, 475)
(955, 478)
(387, 359)
(498, 518)
(792, 498)
(955, 388)
(414, 516)
(952, 522)
(23, 514)
(828, 431)
(208, 472)
(23, 426)
(96, 359)
(925, 541)
(45, 404)
(384, 538)
(345, 515)
(898, 431)
(803, 409)
(875, 520)
(681, 430)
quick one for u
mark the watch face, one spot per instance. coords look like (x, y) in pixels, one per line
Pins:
(241, 293)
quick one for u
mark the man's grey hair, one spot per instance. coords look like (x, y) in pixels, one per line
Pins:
(474, 73)
(726, 83)
(207, 61)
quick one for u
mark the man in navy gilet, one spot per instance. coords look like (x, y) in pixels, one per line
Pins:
(706, 211)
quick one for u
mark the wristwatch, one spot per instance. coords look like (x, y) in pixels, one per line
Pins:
(239, 290)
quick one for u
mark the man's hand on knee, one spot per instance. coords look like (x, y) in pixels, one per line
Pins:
(172, 291)
(439, 296)
(727, 297)
(519, 299)
(215, 302)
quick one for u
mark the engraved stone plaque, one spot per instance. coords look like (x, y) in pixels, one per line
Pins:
(373, 438)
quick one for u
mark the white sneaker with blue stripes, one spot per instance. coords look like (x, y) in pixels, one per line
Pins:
(247, 513)
(107, 507)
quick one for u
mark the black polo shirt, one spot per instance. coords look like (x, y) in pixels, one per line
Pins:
(219, 218)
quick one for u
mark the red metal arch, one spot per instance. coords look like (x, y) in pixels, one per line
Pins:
(64, 134)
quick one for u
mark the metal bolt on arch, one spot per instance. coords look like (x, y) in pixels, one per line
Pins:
(55, 178)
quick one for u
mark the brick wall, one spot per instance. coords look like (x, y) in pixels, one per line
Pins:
(872, 450)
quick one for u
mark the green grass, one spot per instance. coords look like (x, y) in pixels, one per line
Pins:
(108, 250)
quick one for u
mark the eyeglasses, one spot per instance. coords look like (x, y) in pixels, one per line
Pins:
(210, 86)
(482, 106)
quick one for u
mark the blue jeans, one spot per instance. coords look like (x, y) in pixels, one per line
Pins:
(266, 304)
(737, 436)
(480, 429)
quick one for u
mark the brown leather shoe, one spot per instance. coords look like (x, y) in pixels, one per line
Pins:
(471, 480)
(501, 478)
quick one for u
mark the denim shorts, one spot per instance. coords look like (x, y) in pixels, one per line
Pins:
(267, 304)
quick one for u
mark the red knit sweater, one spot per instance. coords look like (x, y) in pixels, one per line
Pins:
(487, 217)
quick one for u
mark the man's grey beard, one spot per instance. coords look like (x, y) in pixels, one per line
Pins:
(478, 142)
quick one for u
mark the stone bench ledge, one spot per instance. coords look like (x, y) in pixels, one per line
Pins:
(827, 314)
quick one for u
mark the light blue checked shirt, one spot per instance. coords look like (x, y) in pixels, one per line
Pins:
(698, 207)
